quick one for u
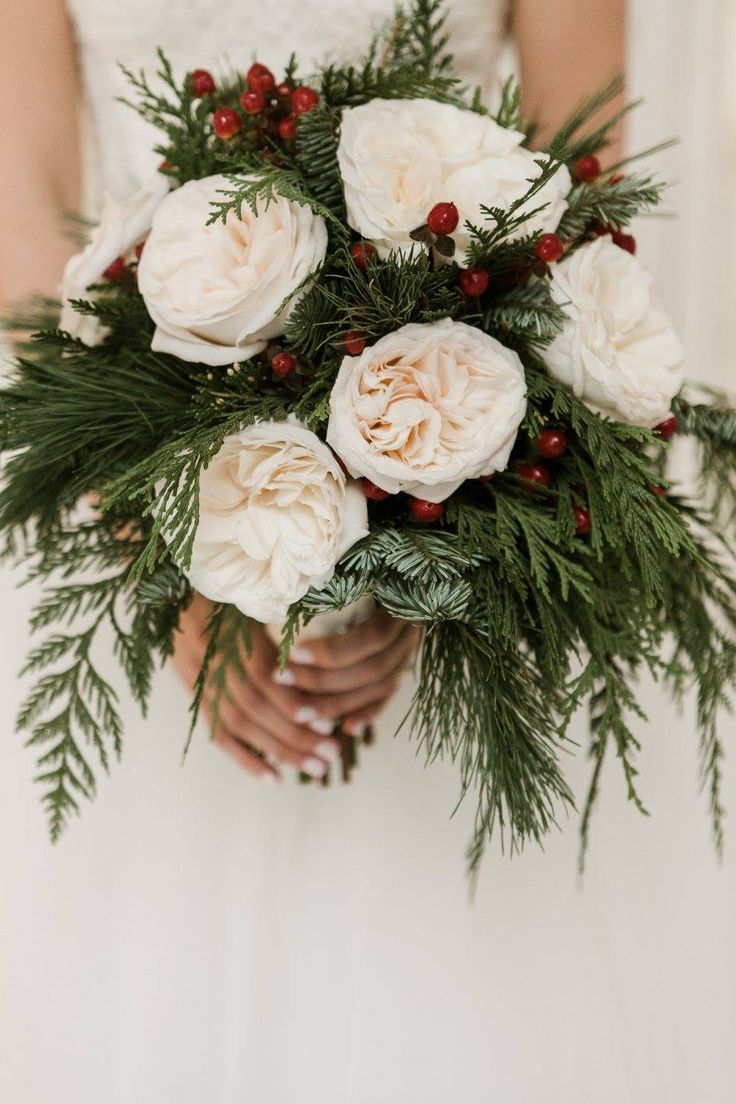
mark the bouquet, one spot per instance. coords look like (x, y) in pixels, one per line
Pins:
(359, 339)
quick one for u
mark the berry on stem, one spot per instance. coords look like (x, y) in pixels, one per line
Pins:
(287, 128)
(362, 253)
(202, 82)
(443, 218)
(539, 474)
(260, 78)
(587, 168)
(354, 342)
(253, 102)
(583, 523)
(226, 122)
(283, 364)
(552, 443)
(116, 269)
(473, 280)
(372, 491)
(624, 241)
(659, 491)
(667, 428)
(426, 512)
(303, 99)
(284, 90)
(549, 248)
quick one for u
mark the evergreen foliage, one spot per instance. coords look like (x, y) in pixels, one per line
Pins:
(525, 621)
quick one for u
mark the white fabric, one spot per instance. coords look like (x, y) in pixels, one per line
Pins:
(196, 938)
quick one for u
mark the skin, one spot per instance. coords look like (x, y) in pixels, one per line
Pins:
(567, 49)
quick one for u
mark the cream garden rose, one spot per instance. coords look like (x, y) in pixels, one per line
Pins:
(276, 513)
(121, 227)
(216, 292)
(428, 407)
(618, 351)
(400, 157)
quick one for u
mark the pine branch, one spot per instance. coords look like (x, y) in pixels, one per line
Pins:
(613, 204)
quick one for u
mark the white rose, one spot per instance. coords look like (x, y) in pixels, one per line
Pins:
(215, 291)
(428, 407)
(121, 227)
(400, 157)
(276, 513)
(618, 351)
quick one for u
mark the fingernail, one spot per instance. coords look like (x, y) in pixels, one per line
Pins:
(323, 726)
(315, 768)
(284, 678)
(301, 655)
(356, 728)
(306, 715)
(327, 749)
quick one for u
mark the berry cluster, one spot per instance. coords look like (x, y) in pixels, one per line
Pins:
(419, 509)
(275, 108)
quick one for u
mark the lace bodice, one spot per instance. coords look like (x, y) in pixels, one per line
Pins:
(218, 34)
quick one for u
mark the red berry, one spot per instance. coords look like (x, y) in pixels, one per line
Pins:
(587, 168)
(303, 99)
(659, 491)
(599, 228)
(539, 474)
(549, 248)
(552, 443)
(287, 128)
(115, 270)
(372, 491)
(624, 241)
(667, 428)
(283, 364)
(362, 253)
(202, 82)
(354, 342)
(443, 218)
(164, 166)
(426, 512)
(284, 89)
(473, 281)
(583, 523)
(260, 78)
(253, 102)
(226, 122)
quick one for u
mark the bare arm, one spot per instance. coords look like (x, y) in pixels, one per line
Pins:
(567, 50)
(39, 146)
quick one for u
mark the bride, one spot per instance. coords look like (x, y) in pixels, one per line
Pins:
(201, 936)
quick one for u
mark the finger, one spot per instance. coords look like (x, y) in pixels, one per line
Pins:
(242, 755)
(317, 680)
(302, 743)
(277, 752)
(358, 724)
(336, 706)
(347, 649)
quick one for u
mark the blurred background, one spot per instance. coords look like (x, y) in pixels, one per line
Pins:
(683, 62)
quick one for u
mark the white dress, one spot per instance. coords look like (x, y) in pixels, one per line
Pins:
(198, 938)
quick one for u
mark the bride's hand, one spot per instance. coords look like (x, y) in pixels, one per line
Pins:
(288, 717)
